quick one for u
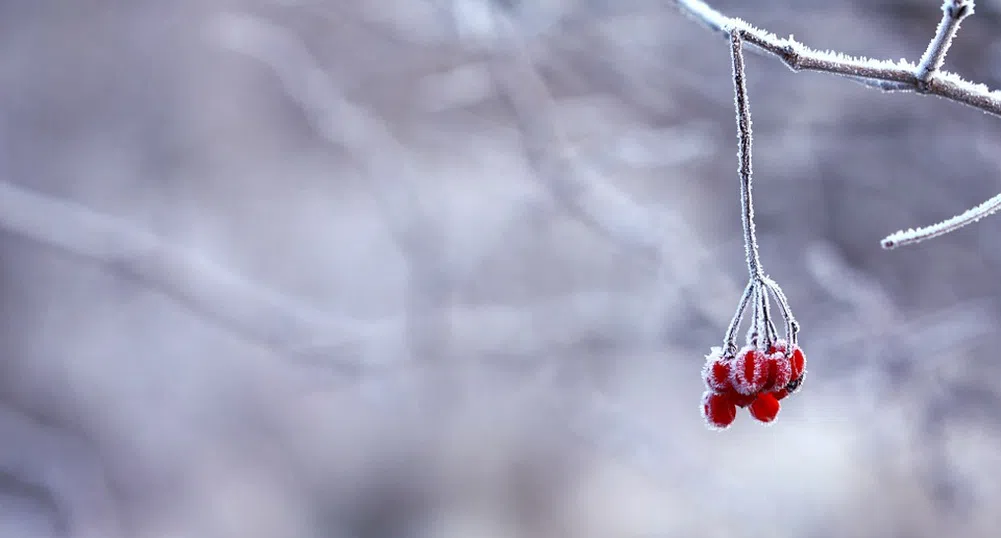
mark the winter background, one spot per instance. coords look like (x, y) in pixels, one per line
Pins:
(496, 366)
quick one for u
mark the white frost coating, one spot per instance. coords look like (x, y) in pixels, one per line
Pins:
(712, 381)
(780, 371)
(704, 407)
(886, 75)
(751, 359)
(911, 235)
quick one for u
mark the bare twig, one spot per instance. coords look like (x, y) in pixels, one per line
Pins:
(911, 235)
(953, 13)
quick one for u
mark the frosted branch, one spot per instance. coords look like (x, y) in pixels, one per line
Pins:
(953, 13)
(744, 156)
(925, 78)
(911, 236)
(884, 74)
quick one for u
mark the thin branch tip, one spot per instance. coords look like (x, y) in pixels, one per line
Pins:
(958, 9)
(974, 214)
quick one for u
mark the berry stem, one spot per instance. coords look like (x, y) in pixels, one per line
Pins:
(744, 155)
(792, 326)
(761, 332)
(730, 339)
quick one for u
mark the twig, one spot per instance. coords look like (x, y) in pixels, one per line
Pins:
(912, 236)
(730, 337)
(744, 157)
(953, 13)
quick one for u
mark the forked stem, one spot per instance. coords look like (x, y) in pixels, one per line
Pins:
(953, 13)
(730, 338)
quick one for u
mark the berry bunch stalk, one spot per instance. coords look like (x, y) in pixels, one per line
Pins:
(760, 288)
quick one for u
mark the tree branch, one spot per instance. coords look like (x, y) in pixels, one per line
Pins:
(924, 78)
(898, 76)
(912, 236)
(953, 13)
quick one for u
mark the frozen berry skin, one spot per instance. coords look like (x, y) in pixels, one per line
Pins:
(718, 410)
(779, 372)
(781, 393)
(716, 372)
(778, 346)
(765, 407)
(741, 400)
(749, 373)
(798, 362)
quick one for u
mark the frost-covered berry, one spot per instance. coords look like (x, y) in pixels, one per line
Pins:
(749, 373)
(797, 358)
(798, 361)
(779, 372)
(716, 372)
(718, 410)
(765, 407)
(741, 400)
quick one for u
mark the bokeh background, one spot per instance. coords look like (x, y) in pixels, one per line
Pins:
(490, 364)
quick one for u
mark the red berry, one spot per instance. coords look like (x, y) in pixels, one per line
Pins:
(750, 371)
(798, 361)
(779, 372)
(716, 372)
(718, 410)
(765, 407)
(781, 393)
(741, 400)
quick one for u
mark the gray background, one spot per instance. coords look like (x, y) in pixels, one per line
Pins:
(534, 377)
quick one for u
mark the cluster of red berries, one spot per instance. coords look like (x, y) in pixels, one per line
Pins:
(752, 378)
